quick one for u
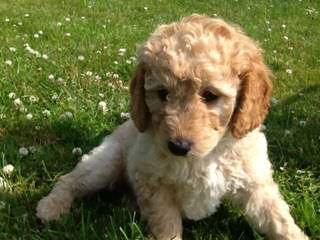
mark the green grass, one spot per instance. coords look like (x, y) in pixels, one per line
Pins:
(107, 26)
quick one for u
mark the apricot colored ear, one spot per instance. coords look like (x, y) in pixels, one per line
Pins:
(138, 108)
(253, 99)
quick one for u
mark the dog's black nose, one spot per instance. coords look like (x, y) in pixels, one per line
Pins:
(179, 147)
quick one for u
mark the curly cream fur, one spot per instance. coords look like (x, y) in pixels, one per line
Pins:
(228, 157)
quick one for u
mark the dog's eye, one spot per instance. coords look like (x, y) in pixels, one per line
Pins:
(163, 94)
(209, 97)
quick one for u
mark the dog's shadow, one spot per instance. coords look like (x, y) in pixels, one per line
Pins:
(107, 210)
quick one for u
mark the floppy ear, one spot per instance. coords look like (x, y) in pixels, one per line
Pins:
(138, 107)
(253, 99)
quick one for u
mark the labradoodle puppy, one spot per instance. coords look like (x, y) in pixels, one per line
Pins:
(198, 98)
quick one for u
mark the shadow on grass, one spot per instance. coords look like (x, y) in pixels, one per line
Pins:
(100, 216)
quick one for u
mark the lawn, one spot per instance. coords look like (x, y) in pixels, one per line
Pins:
(64, 73)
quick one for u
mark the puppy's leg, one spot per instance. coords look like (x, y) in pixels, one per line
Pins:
(102, 167)
(158, 207)
(265, 208)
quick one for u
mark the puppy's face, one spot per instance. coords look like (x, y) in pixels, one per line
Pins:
(196, 79)
(188, 116)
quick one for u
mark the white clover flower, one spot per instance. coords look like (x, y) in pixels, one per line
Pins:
(98, 78)
(269, 30)
(300, 171)
(7, 19)
(287, 132)
(83, 17)
(98, 52)
(23, 151)
(103, 107)
(80, 58)
(3, 183)
(40, 32)
(29, 116)
(286, 38)
(105, 47)
(27, 15)
(67, 19)
(37, 54)
(274, 101)
(109, 74)
(68, 34)
(89, 73)
(102, 104)
(8, 62)
(12, 49)
(12, 95)
(283, 26)
(36, 35)
(8, 169)
(55, 97)
(17, 102)
(66, 115)
(128, 61)
(101, 95)
(30, 50)
(20, 23)
(289, 71)
(45, 56)
(32, 149)
(267, 22)
(77, 151)
(274, 51)
(23, 109)
(111, 85)
(133, 58)
(311, 11)
(51, 77)
(115, 75)
(33, 99)
(46, 113)
(281, 168)
(122, 50)
(104, 26)
(290, 48)
(302, 123)
(59, 24)
(145, 8)
(125, 115)
(60, 81)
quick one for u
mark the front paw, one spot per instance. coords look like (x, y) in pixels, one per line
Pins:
(50, 208)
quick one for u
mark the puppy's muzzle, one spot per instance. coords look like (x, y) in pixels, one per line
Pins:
(179, 147)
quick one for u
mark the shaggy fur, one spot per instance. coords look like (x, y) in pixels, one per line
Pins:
(202, 81)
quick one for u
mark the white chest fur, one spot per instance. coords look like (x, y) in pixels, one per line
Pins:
(199, 187)
(203, 196)
(201, 183)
